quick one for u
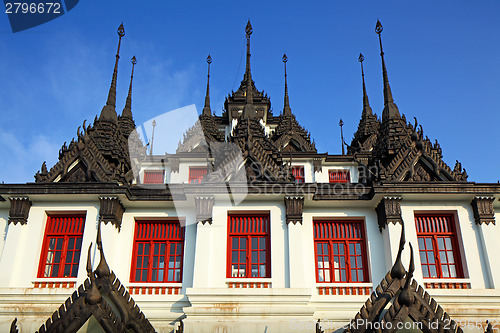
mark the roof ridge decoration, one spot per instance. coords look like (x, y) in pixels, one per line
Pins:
(403, 298)
(126, 120)
(99, 296)
(206, 109)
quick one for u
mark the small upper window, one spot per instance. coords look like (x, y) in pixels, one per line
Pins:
(61, 247)
(339, 176)
(438, 246)
(154, 176)
(196, 174)
(298, 173)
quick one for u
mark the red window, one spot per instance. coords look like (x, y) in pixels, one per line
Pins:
(248, 246)
(196, 174)
(61, 247)
(298, 173)
(438, 246)
(339, 176)
(340, 251)
(154, 177)
(158, 251)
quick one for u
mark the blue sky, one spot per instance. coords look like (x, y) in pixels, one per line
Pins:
(441, 57)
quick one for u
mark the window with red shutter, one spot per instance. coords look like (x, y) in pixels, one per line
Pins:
(438, 246)
(249, 253)
(298, 173)
(154, 176)
(339, 176)
(158, 251)
(340, 251)
(196, 174)
(61, 247)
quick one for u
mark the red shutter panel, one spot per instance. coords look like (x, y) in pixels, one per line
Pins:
(196, 174)
(61, 247)
(340, 251)
(248, 246)
(154, 177)
(298, 173)
(438, 246)
(339, 176)
(158, 251)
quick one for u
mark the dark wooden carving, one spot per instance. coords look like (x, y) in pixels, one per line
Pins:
(405, 299)
(294, 207)
(204, 209)
(111, 210)
(317, 165)
(13, 326)
(19, 210)
(100, 296)
(389, 211)
(483, 210)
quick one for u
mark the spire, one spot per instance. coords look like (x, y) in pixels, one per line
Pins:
(390, 108)
(249, 109)
(367, 110)
(287, 111)
(108, 111)
(127, 110)
(206, 109)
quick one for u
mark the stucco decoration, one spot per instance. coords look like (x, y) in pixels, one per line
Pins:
(483, 210)
(398, 298)
(19, 210)
(103, 296)
(389, 211)
(111, 210)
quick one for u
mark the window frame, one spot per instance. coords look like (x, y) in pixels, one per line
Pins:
(154, 174)
(339, 171)
(157, 240)
(301, 178)
(248, 236)
(197, 180)
(47, 235)
(342, 240)
(452, 235)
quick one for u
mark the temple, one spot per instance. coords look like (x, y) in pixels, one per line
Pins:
(246, 227)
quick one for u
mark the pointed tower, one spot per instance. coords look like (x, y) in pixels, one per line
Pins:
(247, 100)
(108, 112)
(126, 120)
(206, 109)
(365, 136)
(289, 135)
(393, 133)
(287, 111)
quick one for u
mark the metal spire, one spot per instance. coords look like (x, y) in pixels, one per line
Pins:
(249, 109)
(127, 110)
(341, 123)
(206, 109)
(287, 111)
(390, 109)
(108, 111)
(367, 110)
(152, 137)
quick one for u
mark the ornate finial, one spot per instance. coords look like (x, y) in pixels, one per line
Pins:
(102, 269)
(378, 27)
(390, 108)
(89, 262)
(121, 30)
(127, 110)
(341, 123)
(249, 109)
(13, 326)
(152, 137)
(406, 296)
(286, 105)
(248, 29)
(367, 110)
(398, 270)
(108, 111)
(206, 109)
